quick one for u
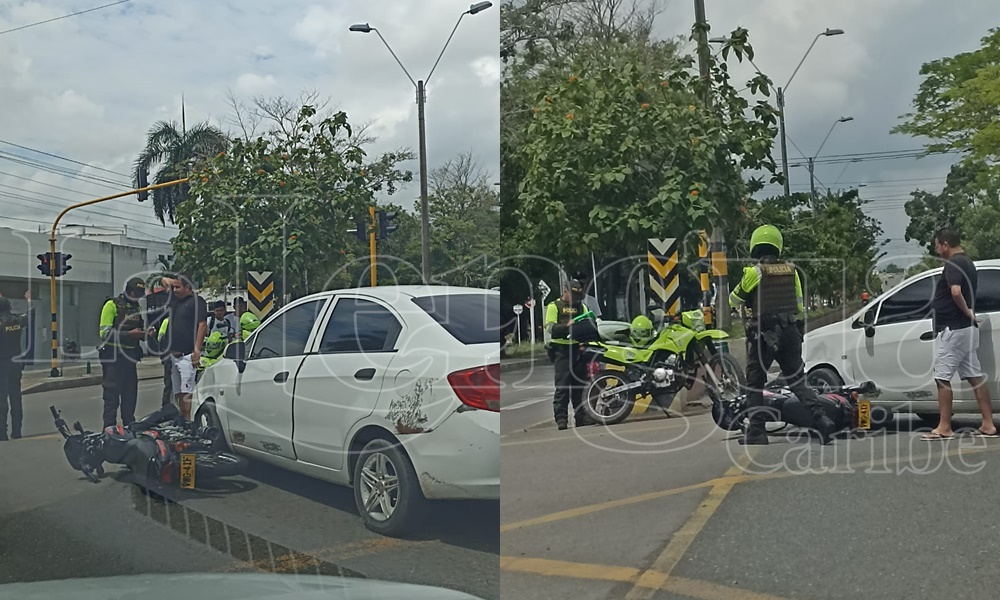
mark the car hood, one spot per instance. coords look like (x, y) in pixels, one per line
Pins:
(225, 586)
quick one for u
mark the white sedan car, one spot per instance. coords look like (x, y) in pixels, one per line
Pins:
(891, 343)
(392, 390)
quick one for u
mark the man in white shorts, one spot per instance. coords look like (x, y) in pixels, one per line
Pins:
(186, 338)
(957, 343)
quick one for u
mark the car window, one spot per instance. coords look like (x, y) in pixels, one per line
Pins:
(911, 303)
(988, 291)
(358, 325)
(288, 333)
(469, 318)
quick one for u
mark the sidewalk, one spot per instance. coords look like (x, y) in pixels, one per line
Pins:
(36, 378)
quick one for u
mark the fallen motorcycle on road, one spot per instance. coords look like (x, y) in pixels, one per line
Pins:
(846, 406)
(161, 449)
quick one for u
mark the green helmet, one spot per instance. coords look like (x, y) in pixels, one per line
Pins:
(215, 344)
(641, 331)
(249, 322)
(766, 239)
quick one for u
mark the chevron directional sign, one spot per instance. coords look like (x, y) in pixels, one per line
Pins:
(260, 289)
(664, 273)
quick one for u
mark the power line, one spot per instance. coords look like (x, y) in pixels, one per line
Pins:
(144, 215)
(64, 16)
(63, 158)
(89, 211)
(94, 180)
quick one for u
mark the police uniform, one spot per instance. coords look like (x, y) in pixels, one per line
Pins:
(11, 328)
(771, 292)
(570, 372)
(119, 353)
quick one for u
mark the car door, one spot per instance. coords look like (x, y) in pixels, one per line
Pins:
(899, 356)
(987, 308)
(339, 383)
(260, 410)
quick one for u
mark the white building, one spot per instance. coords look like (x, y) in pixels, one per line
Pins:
(102, 260)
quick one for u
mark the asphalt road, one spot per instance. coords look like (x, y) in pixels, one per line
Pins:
(526, 399)
(55, 525)
(675, 508)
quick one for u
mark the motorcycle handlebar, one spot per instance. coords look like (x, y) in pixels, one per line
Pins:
(55, 413)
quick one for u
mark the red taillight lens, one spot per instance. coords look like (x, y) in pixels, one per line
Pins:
(593, 368)
(478, 387)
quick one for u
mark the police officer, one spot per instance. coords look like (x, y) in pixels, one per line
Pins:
(121, 330)
(569, 370)
(11, 328)
(772, 294)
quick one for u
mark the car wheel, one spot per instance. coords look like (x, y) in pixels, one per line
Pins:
(824, 380)
(386, 489)
(206, 418)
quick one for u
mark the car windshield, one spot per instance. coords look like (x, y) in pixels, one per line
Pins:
(469, 318)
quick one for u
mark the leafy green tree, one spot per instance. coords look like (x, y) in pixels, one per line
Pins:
(619, 151)
(283, 204)
(958, 101)
(173, 151)
(892, 268)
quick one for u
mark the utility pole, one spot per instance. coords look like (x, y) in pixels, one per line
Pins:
(784, 141)
(372, 255)
(425, 227)
(717, 247)
(812, 180)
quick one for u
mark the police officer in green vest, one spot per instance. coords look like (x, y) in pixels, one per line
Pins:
(121, 330)
(570, 376)
(771, 293)
(11, 328)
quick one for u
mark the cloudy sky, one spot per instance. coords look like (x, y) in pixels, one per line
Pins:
(87, 88)
(870, 73)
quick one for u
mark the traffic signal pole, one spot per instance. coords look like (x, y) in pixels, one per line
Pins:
(371, 246)
(52, 249)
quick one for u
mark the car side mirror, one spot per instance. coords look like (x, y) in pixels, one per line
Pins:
(237, 351)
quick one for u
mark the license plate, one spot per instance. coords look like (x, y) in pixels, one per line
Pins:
(864, 414)
(187, 471)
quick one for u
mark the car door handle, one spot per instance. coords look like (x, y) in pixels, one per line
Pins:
(365, 374)
(281, 377)
(927, 336)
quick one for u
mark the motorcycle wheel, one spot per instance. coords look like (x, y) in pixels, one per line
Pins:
(620, 405)
(732, 376)
(212, 465)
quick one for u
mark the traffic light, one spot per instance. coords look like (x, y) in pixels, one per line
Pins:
(62, 263)
(45, 264)
(361, 227)
(384, 227)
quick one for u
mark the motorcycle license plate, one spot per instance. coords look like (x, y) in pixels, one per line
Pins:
(187, 471)
(864, 414)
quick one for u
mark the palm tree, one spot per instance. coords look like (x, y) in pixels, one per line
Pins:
(174, 150)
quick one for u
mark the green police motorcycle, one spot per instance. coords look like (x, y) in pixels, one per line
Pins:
(678, 354)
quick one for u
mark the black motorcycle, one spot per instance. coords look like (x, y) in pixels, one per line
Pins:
(161, 449)
(846, 406)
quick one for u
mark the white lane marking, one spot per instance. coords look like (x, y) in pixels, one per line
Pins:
(526, 403)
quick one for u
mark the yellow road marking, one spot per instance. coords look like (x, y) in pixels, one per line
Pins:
(688, 422)
(602, 506)
(659, 572)
(694, 588)
(593, 508)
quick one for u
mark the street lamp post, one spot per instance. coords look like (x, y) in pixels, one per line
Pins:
(425, 244)
(812, 159)
(780, 93)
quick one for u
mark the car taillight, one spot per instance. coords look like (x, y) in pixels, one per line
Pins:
(478, 387)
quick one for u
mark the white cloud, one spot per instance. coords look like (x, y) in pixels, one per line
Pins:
(488, 69)
(252, 84)
(83, 88)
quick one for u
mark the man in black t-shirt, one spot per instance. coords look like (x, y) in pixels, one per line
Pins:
(956, 345)
(185, 338)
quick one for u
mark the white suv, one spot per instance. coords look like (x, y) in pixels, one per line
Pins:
(891, 342)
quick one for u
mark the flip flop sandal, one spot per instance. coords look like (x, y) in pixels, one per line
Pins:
(935, 437)
(983, 434)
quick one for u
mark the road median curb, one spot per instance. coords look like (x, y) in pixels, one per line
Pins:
(59, 383)
(516, 364)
